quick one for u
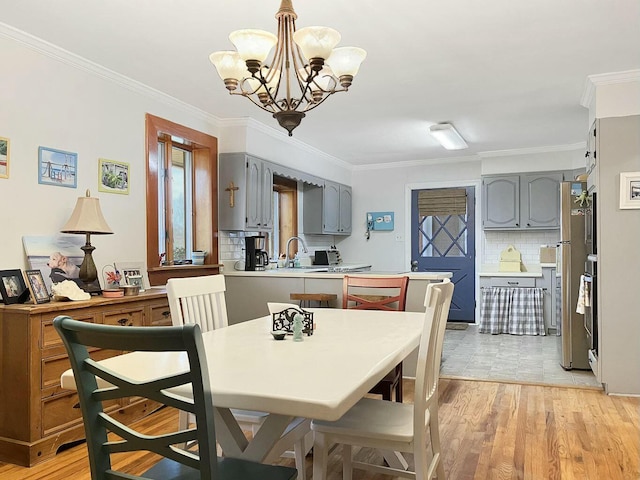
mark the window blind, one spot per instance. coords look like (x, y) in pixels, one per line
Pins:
(442, 201)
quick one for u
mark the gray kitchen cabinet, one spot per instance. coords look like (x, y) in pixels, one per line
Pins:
(540, 200)
(259, 194)
(546, 282)
(327, 209)
(526, 201)
(245, 185)
(501, 201)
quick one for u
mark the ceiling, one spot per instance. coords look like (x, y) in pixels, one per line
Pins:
(508, 74)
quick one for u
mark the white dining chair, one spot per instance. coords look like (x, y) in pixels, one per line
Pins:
(201, 300)
(392, 426)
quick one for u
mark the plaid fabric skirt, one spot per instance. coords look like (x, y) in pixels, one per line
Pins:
(517, 311)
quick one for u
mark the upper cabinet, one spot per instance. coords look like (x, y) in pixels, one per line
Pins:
(259, 194)
(501, 202)
(245, 193)
(526, 201)
(327, 209)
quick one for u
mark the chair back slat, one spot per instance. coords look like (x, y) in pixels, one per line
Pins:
(77, 336)
(437, 302)
(374, 293)
(198, 300)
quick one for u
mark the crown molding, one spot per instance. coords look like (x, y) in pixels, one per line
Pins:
(533, 150)
(472, 158)
(416, 163)
(55, 52)
(594, 81)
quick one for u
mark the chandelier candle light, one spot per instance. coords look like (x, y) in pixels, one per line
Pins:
(304, 70)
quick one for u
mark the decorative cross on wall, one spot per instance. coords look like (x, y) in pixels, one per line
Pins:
(232, 193)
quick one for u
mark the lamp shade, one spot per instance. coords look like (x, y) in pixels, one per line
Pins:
(87, 218)
(316, 42)
(229, 65)
(346, 60)
(253, 44)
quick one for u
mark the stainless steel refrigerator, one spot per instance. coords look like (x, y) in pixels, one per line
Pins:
(573, 343)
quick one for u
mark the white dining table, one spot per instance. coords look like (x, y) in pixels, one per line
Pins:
(320, 377)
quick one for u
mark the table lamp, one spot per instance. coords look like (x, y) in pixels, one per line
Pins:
(87, 219)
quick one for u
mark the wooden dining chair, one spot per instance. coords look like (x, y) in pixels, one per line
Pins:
(392, 426)
(201, 301)
(378, 293)
(107, 434)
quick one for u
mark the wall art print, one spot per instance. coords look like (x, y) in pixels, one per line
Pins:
(113, 176)
(629, 190)
(4, 157)
(57, 167)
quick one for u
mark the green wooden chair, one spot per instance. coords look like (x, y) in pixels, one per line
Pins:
(177, 463)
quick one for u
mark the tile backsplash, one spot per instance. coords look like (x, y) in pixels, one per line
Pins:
(231, 244)
(527, 242)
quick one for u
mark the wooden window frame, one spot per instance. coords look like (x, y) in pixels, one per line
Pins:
(204, 150)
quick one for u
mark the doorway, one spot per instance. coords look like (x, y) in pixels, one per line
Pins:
(443, 239)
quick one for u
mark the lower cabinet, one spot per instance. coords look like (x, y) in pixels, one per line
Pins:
(247, 297)
(36, 415)
(546, 282)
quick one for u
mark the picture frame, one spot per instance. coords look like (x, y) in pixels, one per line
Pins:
(12, 287)
(133, 269)
(4, 157)
(37, 287)
(57, 167)
(58, 257)
(113, 176)
(629, 190)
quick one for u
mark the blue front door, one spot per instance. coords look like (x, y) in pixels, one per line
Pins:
(443, 239)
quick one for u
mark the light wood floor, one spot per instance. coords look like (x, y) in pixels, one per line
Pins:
(489, 430)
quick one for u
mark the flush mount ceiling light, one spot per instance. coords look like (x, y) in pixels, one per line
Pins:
(304, 70)
(448, 136)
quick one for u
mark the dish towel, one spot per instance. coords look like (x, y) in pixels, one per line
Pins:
(581, 295)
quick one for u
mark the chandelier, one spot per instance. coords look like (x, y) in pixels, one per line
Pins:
(303, 71)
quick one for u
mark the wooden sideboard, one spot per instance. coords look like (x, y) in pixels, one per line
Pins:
(36, 415)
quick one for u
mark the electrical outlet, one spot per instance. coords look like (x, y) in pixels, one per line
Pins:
(399, 237)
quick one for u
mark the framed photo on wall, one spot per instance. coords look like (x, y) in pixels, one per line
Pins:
(4, 157)
(113, 176)
(629, 190)
(12, 287)
(37, 287)
(57, 167)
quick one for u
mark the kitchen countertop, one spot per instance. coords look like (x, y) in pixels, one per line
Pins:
(510, 274)
(532, 271)
(310, 273)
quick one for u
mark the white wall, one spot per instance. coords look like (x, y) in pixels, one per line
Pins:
(51, 98)
(384, 189)
(48, 102)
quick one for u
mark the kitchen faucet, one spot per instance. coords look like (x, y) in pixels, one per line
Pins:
(304, 249)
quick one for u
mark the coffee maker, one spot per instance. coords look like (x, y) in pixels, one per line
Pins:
(255, 256)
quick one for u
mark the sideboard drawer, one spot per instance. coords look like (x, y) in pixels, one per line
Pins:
(131, 318)
(160, 316)
(51, 341)
(62, 411)
(53, 367)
